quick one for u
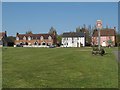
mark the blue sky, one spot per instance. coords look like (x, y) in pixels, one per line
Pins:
(63, 16)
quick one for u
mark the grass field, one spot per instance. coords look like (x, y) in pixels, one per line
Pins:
(58, 68)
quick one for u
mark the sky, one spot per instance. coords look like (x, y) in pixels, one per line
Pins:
(63, 16)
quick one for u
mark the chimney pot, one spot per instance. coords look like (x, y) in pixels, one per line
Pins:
(17, 34)
(114, 28)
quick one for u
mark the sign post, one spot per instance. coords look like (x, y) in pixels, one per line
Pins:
(99, 26)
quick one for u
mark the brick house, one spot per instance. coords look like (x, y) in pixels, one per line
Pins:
(106, 35)
(36, 39)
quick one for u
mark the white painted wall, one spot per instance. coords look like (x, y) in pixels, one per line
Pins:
(67, 42)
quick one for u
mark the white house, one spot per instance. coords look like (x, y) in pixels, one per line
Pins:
(73, 39)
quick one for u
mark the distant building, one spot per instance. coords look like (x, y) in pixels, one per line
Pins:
(73, 39)
(4, 40)
(106, 36)
(36, 39)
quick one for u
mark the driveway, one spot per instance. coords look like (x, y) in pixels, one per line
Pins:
(117, 54)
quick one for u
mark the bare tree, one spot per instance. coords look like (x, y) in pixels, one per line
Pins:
(29, 32)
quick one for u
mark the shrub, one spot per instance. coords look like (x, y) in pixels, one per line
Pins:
(97, 51)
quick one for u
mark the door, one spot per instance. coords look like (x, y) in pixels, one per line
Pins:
(103, 43)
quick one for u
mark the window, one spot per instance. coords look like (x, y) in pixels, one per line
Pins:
(109, 37)
(24, 38)
(35, 43)
(17, 38)
(50, 43)
(17, 43)
(29, 43)
(49, 37)
(103, 37)
(29, 38)
(41, 38)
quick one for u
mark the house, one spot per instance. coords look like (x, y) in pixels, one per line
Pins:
(36, 39)
(4, 40)
(73, 39)
(107, 37)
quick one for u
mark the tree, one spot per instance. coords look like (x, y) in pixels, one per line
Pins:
(84, 26)
(118, 38)
(110, 42)
(78, 29)
(59, 39)
(26, 43)
(29, 32)
(12, 38)
(52, 30)
(106, 26)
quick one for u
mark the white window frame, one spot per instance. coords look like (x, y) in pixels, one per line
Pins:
(50, 38)
(41, 38)
(103, 37)
(17, 38)
(29, 38)
(24, 38)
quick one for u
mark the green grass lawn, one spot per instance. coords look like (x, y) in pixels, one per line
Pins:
(58, 68)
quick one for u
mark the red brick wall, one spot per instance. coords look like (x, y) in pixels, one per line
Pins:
(32, 41)
(101, 39)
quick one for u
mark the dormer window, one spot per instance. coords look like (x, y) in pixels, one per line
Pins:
(24, 38)
(29, 38)
(50, 38)
(17, 38)
(41, 38)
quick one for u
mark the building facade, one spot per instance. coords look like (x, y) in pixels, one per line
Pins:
(107, 36)
(73, 39)
(4, 40)
(36, 39)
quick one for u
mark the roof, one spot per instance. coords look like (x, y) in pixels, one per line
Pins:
(34, 36)
(74, 34)
(105, 32)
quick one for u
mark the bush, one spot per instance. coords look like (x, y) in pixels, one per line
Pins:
(97, 51)
(26, 43)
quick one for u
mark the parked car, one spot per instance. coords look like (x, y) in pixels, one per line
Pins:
(52, 46)
(19, 45)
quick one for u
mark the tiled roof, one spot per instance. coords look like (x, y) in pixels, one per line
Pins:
(35, 36)
(105, 32)
(74, 34)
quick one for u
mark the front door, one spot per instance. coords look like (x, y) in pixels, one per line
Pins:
(103, 43)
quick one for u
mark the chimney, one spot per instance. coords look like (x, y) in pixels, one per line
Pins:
(17, 34)
(54, 33)
(114, 28)
(6, 33)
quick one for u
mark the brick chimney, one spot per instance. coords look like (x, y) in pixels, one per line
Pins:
(114, 28)
(17, 34)
(54, 33)
(5, 33)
